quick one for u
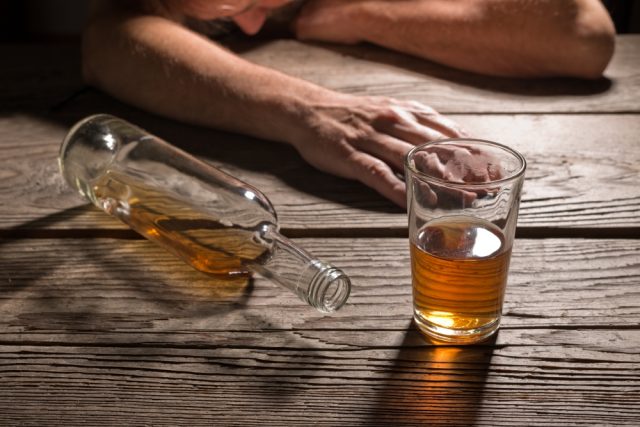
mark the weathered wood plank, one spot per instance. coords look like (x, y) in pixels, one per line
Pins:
(583, 172)
(400, 381)
(375, 71)
(116, 331)
(40, 76)
(120, 290)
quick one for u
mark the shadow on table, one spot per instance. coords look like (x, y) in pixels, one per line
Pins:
(554, 86)
(72, 283)
(248, 158)
(434, 383)
(19, 273)
(245, 157)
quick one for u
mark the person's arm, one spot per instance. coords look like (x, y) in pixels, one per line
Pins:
(155, 63)
(514, 38)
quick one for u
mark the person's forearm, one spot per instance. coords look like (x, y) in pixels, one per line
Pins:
(157, 65)
(497, 37)
(150, 60)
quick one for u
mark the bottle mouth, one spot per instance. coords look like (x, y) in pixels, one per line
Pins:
(330, 289)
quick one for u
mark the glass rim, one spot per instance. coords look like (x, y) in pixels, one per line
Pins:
(512, 177)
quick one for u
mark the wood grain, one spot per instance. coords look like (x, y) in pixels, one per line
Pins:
(375, 71)
(401, 382)
(99, 327)
(41, 76)
(116, 331)
(120, 290)
(583, 172)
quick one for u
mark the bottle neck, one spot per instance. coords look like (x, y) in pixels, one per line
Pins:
(317, 283)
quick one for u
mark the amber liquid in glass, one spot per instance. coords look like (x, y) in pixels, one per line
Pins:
(459, 270)
(197, 238)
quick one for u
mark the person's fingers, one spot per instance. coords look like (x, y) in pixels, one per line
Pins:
(433, 195)
(376, 174)
(387, 148)
(424, 195)
(431, 119)
(409, 131)
(445, 153)
(495, 171)
(430, 164)
(416, 123)
(470, 148)
(447, 164)
(451, 197)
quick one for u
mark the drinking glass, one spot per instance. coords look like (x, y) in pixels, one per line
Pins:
(463, 198)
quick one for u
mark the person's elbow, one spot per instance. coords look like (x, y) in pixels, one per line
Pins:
(591, 47)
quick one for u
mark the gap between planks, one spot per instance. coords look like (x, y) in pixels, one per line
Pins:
(294, 233)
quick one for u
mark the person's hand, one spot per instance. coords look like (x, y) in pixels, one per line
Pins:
(460, 163)
(327, 20)
(366, 138)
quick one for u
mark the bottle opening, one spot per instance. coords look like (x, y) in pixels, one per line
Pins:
(329, 289)
(336, 295)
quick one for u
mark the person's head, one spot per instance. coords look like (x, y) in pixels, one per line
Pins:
(249, 15)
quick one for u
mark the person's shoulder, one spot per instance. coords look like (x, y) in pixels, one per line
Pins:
(287, 13)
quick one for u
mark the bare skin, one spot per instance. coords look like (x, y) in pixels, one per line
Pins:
(144, 55)
(513, 38)
(459, 163)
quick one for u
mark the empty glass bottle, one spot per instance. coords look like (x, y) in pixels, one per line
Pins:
(213, 221)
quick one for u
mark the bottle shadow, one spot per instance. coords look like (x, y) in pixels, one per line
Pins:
(76, 280)
(28, 234)
(433, 383)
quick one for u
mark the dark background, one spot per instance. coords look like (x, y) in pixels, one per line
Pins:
(38, 20)
(625, 14)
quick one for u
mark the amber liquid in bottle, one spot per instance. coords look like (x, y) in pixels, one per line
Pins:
(215, 222)
(204, 243)
(459, 270)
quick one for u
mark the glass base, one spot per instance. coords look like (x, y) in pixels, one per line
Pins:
(456, 336)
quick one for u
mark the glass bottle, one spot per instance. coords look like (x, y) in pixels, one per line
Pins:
(213, 221)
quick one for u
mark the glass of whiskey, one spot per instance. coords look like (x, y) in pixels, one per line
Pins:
(462, 198)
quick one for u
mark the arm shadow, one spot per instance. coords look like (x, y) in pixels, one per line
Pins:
(271, 167)
(435, 73)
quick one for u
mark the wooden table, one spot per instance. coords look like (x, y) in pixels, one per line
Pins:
(98, 326)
